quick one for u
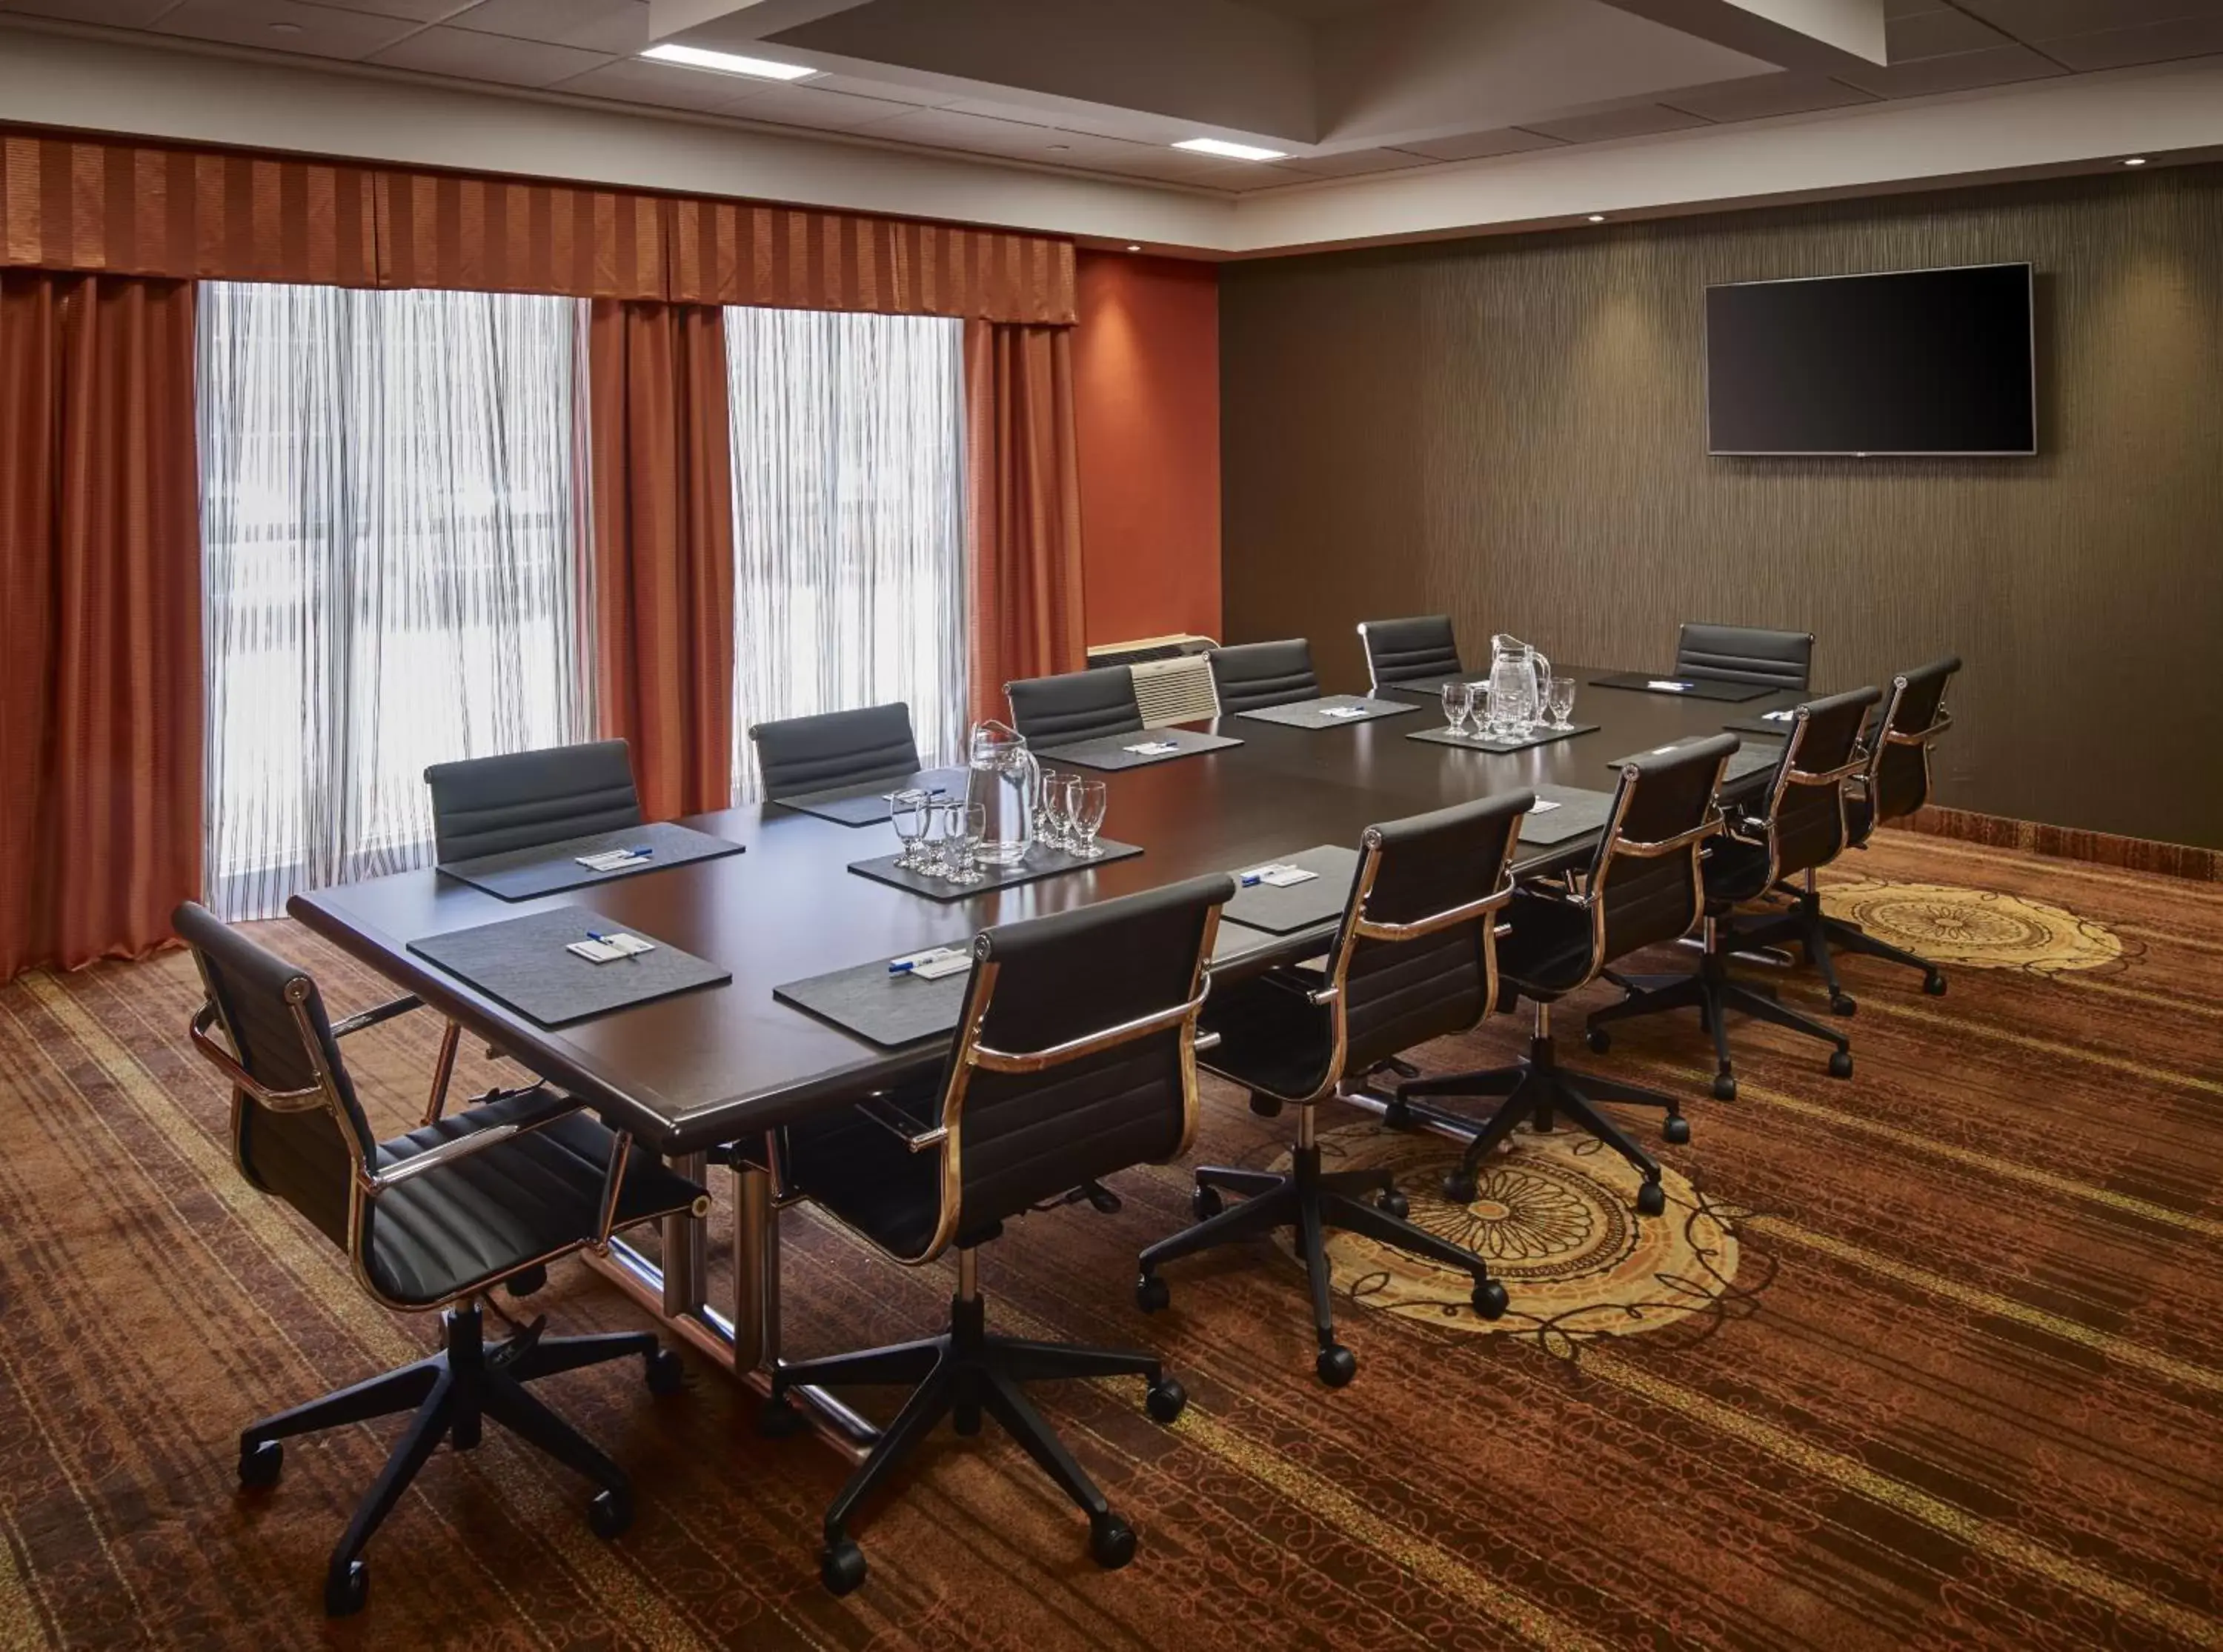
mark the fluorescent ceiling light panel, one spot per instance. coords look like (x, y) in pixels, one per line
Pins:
(1229, 151)
(756, 68)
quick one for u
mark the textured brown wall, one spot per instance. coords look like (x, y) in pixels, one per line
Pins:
(1513, 431)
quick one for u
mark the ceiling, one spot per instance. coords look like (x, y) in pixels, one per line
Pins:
(1347, 88)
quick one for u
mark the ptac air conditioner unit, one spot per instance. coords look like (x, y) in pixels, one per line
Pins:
(1172, 683)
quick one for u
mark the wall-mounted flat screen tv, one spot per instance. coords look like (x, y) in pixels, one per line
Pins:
(1930, 362)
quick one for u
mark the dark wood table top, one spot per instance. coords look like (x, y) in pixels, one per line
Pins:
(708, 1066)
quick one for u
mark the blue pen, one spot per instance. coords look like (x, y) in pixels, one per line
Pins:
(901, 966)
(611, 941)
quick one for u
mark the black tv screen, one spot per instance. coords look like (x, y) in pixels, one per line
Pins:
(1920, 361)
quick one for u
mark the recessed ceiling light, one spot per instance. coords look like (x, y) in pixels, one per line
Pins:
(1061, 148)
(1597, 217)
(1231, 151)
(285, 29)
(756, 68)
(1134, 246)
(2135, 160)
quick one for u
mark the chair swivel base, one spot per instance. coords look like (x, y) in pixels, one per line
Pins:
(451, 1394)
(1712, 991)
(1820, 936)
(959, 1374)
(1311, 1201)
(1537, 1091)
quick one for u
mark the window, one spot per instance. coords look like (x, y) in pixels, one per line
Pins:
(392, 530)
(848, 467)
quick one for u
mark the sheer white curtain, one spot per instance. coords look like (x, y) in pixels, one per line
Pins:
(848, 467)
(390, 516)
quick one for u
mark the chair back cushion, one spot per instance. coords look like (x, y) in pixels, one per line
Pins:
(812, 754)
(1809, 822)
(1252, 675)
(304, 1158)
(1397, 993)
(1079, 706)
(1781, 659)
(488, 806)
(1648, 899)
(1899, 775)
(1410, 651)
(1022, 1138)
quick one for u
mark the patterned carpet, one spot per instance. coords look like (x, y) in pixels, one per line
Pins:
(1930, 1358)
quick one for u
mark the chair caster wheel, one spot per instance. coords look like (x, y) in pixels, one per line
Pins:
(667, 1371)
(1393, 1203)
(1724, 1087)
(1489, 1299)
(779, 1418)
(1459, 1188)
(840, 1567)
(1397, 1116)
(1150, 1293)
(1677, 1130)
(610, 1515)
(1337, 1365)
(259, 1465)
(526, 1283)
(1841, 1065)
(965, 1419)
(1650, 1199)
(1598, 1039)
(1206, 1203)
(1265, 1105)
(1166, 1400)
(1111, 1542)
(1934, 985)
(1843, 1004)
(346, 1589)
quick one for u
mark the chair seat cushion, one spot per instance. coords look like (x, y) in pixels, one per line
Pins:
(1547, 951)
(1272, 1037)
(535, 1195)
(1736, 871)
(863, 1174)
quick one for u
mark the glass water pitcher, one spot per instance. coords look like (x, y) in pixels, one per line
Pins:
(1004, 779)
(1520, 683)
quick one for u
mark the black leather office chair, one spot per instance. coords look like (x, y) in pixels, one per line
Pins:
(1252, 675)
(1079, 706)
(1893, 784)
(1643, 886)
(1802, 825)
(429, 1221)
(1781, 659)
(1076, 1058)
(1414, 959)
(1409, 650)
(815, 754)
(488, 806)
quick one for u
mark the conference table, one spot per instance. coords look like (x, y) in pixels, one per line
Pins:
(712, 1074)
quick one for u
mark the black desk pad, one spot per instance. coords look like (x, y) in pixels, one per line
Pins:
(552, 868)
(1284, 911)
(889, 1010)
(1746, 760)
(1106, 751)
(522, 963)
(1694, 689)
(1778, 729)
(868, 803)
(1041, 862)
(1579, 812)
(1307, 713)
(1537, 736)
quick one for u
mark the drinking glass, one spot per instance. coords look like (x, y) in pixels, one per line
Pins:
(1562, 702)
(1054, 827)
(1087, 800)
(1458, 705)
(908, 813)
(1068, 813)
(966, 826)
(933, 859)
(1488, 711)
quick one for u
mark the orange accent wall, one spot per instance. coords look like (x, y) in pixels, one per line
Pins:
(1146, 415)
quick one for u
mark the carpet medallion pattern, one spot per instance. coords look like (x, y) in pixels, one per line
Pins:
(1554, 1215)
(1980, 929)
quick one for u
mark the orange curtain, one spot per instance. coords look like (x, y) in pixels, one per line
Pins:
(1022, 509)
(100, 660)
(663, 510)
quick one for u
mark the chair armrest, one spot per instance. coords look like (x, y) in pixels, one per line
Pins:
(375, 1013)
(478, 1141)
(914, 1133)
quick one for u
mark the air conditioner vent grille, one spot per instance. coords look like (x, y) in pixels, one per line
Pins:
(1175, 690)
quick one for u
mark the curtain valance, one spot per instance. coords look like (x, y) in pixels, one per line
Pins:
(126, 207)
